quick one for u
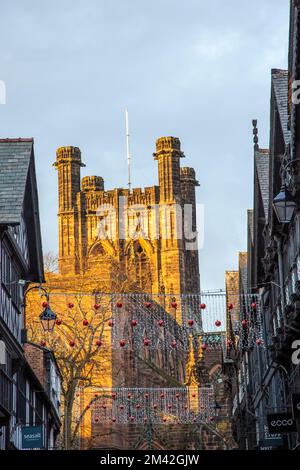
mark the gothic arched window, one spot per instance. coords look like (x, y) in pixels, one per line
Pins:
(142, 266)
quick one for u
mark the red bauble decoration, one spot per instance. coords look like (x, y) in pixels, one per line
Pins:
(164, 420)
(133, 322)
(96, 420)
(96, 395)
(45, 304)
(177, 395)
(194, 395)
(253, 305)
(138, 406)
(104, 407)
(145, 419)
(146, 342)
(162, 395)
(258, 342)
(121, 407)
(161, 323)
(174, 344)
(113, 419)
(155, 406)
(119, 304)
(98, 342)
(122, 343)
(113, 395)
(70, 305)
(169, 406)
(147, 304)
(88, 407)
(96, 306)
(203, 347)
(85, 323)
(190, 322)
(174, 304)
(230, 306)
(202, 306)
(58, 322)
(218, 323)
(211, 418)
(43, 343)
(132, 419)
(110, 323)
(244, 323)
(146, 395)
(72, 343)
(129, 396)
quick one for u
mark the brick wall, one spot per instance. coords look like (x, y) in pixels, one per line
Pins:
(36, 359)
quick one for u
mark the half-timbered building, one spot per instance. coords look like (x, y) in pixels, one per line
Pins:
(24, 400)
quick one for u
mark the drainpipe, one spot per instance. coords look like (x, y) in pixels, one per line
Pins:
(280, 269)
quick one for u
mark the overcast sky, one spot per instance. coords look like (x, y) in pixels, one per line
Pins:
(195, 69)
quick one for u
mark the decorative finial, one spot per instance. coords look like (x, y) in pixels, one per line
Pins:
(255, 134)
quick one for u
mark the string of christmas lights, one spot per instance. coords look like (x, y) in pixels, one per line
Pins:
(184, 405)
(159, 321)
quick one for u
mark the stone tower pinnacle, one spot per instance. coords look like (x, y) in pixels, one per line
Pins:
(68, 163)
(168, 154)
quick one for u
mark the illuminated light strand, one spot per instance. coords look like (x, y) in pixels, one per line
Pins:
(184, 405)
(160, 321)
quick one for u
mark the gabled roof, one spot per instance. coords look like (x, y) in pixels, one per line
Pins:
(280, 85)
(262, 160)
(15, 155)
(19, 198)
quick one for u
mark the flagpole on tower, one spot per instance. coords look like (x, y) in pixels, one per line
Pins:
(128, 149)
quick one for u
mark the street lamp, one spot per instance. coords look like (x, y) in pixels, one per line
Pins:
(48, 318)
(284, 205)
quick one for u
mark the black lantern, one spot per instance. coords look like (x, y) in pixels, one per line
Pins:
(48, 318)
(284, 205)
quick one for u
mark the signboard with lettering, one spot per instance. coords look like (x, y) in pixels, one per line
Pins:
(296, 405)
(270, 444)
(281, 423)
(32, 437)
(278, 438)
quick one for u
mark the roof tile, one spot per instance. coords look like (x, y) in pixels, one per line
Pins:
(15, 157)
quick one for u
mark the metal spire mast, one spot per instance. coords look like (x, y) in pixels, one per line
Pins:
(128, 149)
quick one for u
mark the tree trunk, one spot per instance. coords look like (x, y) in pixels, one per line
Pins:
(67, 427)
(68, 409)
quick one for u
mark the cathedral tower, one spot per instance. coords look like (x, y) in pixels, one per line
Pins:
(157, 256)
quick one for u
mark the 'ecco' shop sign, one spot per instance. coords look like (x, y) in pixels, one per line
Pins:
(281, 423)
